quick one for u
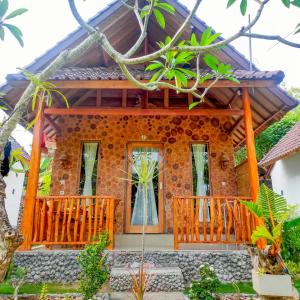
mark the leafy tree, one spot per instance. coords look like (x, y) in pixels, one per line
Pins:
(172, 59)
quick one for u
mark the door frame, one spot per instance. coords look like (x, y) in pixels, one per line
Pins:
(150, 228)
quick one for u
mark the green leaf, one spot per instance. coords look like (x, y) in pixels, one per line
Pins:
(277, 230)
(167, 7)
(192, 105)
(297, 29)
(2, 33)
(261, 232)
(243, 7)
(154, 66)
(213, 37)
(193, 40)
(16, 12)
(188, 72)
(160, 19)
(205, 35)
(296, 3)
(253, 207)
(3, 8)
(230, 2)
(155, 76)
(16, 32)
(180, 78)
(145, 11)
(211, 61)
(286, 3)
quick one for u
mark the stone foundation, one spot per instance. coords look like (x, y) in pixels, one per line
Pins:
(61, 265)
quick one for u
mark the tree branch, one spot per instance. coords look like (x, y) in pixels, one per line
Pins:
(272, 38)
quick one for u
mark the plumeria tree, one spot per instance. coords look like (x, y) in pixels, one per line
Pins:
(172, 60)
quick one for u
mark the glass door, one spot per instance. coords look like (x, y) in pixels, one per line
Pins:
(144, 188)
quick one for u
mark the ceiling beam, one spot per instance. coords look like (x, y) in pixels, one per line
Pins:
(143, 112)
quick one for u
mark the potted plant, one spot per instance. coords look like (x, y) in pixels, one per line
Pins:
(270, 275)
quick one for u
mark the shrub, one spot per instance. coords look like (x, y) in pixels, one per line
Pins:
(291, 241)
(204, 288)
(94, 271)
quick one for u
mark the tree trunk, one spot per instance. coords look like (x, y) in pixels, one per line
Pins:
(10, 237)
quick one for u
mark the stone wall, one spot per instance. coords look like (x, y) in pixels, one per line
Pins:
(114, 133)
(61, 266)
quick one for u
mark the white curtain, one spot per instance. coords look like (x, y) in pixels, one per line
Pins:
(201, 189)
(139, 202)
(89, 154)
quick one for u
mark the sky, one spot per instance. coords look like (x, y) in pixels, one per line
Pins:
(49, 21)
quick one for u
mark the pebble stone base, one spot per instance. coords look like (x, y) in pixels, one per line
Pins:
(160, 279)
(61, 265)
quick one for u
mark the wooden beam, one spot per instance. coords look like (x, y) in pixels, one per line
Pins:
(124, 98)
(234, 97)
(32, 181)
(53, 124)
(84, 97)
(143, 112)
(236, 124)
(125, 84)
(166, 98)
(98, 97)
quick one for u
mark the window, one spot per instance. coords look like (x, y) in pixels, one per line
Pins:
(200, 169)
(88, 171)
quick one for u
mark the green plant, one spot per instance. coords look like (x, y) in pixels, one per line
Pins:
(294, 269)
(291, 240)
(92, 262)
(44, 292)
(204, 288)
(45, 177)
(17, 281)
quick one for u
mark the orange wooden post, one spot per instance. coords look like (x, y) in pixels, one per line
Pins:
(32, 182)
(250, 144)
(110, 215)
(175, 223)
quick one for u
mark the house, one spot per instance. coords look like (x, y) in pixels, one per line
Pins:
(194, 196)
(283, 160)
(14, 179)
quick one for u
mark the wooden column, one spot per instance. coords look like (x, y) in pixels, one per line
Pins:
(32, 182)
(251, 153)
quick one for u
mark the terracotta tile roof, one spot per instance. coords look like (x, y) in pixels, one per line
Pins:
(288, 145)
(114, 73)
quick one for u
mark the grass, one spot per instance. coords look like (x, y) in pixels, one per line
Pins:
(52, 288)
(56, 288)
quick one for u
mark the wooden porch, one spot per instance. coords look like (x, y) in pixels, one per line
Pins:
(75, 220)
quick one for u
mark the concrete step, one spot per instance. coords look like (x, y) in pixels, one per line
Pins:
(159, 279)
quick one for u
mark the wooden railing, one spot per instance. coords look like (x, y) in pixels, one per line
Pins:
(72, 220)
(212, 220)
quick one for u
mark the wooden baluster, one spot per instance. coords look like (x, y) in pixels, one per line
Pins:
(77, 215)
(96, 216)
(111, 223)
(197, 219)
(90, 219)
(248, 224)
(182, 220)
(57, 217)
(36, 219)
(107, 215)
(192, 218)
(63, 229)
(220, 220)
(187, 222)
(204, 209)
(212, 218)
(175, 223)
(43, 220)
(50, 218)
(82, 228)
(229, 223)
(101, 214)
(243, 222)
(236, 220)
(70, 219)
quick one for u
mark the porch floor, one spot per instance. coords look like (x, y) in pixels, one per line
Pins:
(164, 242)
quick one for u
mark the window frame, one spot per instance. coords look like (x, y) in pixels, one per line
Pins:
(82, 142)
(209, 165)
